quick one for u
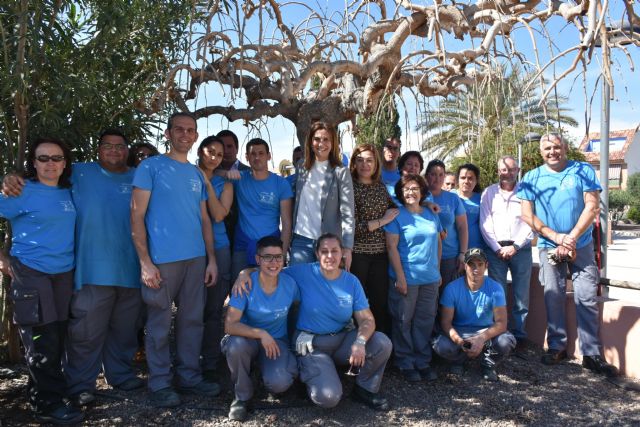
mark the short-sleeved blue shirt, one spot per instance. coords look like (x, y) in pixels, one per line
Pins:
(389, 178)
(417, 245)
(42, 219)
(105, 254)
(326, 306)
(221, 240)
(473, 309)
(558, 197)
(173, 220)
(472, 208)
(268, 312)
(450, 207)
(259, 203)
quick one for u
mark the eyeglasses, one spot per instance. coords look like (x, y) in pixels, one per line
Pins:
(392, 148)
(411, 190)
(44, 158)
(270, 258)
(353, 371)
(117, 147)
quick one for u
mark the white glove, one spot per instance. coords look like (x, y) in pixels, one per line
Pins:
(304, 344)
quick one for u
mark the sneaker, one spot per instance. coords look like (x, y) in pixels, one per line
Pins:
(131, 384)
(62, 415)
(83, 398)
(428, 374)
(238, 410)
(203, 388)
(372, 400)
(489, 374)
(600, 366)
(165, 398)
(553, 357)
(211, 375)
(411, 375)
(456, 369)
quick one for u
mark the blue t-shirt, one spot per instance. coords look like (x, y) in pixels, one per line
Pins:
(326, 306)
(268, 312)
(472, 208)
(221, 240)
(450, 207)
(173, 220)
(558, 197)
(389, 178)
(473, 309)
(105, 254)
(291, 179)
(418, 245)
(259, 203)
(42, 220)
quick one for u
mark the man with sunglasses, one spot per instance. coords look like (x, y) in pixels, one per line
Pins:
(107, 298)
(256, 325)
(390, 155)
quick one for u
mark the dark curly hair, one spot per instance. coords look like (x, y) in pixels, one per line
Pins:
(30, 172)
(424, 189)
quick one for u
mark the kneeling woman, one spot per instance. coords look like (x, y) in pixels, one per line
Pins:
(256, 325)
(325, 335)
(42, 259)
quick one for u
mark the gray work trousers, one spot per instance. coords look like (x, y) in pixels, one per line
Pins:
(495, 350)
(584, 275)
(101, 335)
(318, 369)
(449, 271)
(277, 374)
(215, 295)
(412, 320)
(182, 282)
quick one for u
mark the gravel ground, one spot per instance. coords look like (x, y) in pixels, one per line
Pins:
(528, 393)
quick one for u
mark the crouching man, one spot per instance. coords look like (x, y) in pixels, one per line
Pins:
(256, 325)
(474, 319)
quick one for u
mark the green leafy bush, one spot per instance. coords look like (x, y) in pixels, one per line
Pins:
(634, 214)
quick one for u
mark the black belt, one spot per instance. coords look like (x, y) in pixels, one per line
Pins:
(506, 243)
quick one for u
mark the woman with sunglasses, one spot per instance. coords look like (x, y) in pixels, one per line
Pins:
(139, 152)
(325, 334)
(41, 264)
(256, 325)
(414, 247)
(220, 191)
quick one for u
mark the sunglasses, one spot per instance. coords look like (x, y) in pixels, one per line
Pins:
(392, 148)
(43, 158)
(270, 258)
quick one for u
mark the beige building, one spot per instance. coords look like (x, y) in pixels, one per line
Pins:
(624, 155)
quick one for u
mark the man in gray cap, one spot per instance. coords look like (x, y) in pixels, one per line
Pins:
(473, 316)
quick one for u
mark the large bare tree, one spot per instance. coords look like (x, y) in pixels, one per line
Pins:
(333, 66)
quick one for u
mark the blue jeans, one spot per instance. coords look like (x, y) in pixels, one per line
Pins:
(584, 275)
(497, 348)
(302, 250)
(520, 266)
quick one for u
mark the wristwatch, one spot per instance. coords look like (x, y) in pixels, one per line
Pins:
(516, 247)
(360, 340)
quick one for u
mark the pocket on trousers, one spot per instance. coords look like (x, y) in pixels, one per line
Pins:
(26, 306)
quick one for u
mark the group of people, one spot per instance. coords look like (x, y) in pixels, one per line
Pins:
(374, 249)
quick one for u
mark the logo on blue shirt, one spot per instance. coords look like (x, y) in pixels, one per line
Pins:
(196, 185)
(268, 198)
(67, 206)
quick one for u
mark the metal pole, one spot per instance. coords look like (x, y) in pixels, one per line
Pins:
(519, 160)
(604, 176)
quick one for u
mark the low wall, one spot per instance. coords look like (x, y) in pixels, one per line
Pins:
(619, 327)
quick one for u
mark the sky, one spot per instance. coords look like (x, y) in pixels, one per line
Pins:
(583, 89)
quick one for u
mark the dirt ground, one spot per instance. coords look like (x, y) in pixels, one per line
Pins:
(528, 393)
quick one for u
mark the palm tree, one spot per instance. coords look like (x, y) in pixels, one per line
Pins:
(489, 112)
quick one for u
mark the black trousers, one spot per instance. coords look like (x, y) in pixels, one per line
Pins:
(373, 272)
